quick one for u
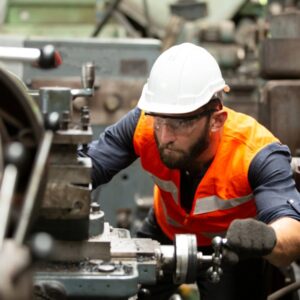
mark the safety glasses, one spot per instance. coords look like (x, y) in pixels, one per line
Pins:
(180, 125)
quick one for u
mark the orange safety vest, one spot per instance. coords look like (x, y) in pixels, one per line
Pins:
(224, 193)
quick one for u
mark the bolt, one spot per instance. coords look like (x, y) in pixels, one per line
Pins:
(95, 207)
(85, 117)
(84, 110)
(65, 120)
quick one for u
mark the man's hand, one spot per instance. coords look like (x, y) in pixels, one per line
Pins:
(248, 238)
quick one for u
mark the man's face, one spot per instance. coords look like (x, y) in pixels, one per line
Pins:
(181, 141)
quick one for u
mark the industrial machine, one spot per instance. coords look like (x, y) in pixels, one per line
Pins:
(92, 257)
(88, 259)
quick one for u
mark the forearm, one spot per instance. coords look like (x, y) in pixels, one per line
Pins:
(114, 150)
(287, 247)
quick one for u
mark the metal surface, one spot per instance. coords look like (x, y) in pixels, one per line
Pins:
(285, 25)
(113, 257)
(88, 75)
(55, 99)
(215, 271)
(8, 186)
(186, 258)
(276, 51)
(120, 284)
(189, 10)
(280, 111)
(68, 192)
(108, 55)
(20, 122)
(16, 103)
(19, 54)
(243, 96)
(33, 192)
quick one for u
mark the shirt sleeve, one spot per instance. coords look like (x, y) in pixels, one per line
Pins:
(271, 178)
(114, 150)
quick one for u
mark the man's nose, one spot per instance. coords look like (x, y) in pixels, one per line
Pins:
(167, 134)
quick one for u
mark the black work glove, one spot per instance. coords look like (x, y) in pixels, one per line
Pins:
(248, 238)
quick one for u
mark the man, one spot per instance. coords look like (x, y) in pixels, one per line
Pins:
(211, 166)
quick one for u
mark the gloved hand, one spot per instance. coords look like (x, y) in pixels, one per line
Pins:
(248, 238)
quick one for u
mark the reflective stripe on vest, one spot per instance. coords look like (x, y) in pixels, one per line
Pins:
(169, 220)
(214, 203)
(167, 186)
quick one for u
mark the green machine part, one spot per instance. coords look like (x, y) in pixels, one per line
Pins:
(53, 18)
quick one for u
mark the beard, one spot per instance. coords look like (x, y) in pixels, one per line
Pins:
(175, 158)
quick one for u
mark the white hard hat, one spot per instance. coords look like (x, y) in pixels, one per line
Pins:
(182, 79)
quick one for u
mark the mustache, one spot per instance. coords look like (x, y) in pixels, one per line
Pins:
(169, 146)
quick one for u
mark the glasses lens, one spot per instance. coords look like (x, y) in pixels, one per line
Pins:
(176, 125)
(180, 125)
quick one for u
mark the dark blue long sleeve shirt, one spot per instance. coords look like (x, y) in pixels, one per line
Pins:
(270, 174)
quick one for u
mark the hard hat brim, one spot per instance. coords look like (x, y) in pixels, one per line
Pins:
(152, 107)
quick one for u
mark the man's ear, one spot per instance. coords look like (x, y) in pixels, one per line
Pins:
(217, 120)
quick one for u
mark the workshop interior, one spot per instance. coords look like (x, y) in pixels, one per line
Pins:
(69, 69)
